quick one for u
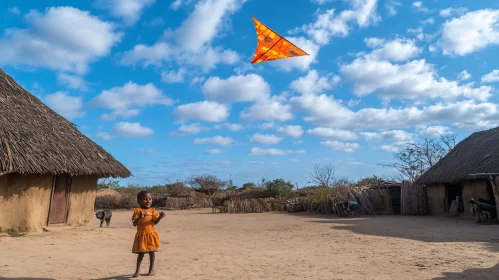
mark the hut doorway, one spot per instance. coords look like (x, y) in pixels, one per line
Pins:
(59, 202)
(395, 194)
(454, 192)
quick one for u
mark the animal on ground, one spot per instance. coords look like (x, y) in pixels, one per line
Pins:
(104, 215)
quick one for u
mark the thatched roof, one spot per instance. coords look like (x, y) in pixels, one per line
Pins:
(477, 154)
(36, 140)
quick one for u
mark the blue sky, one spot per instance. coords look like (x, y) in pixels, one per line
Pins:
(167, 87)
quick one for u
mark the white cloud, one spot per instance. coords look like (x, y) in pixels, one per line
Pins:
(126, 100)
(215, 140)
(267, 125)
(207, 111)
(190, 43)
(213, 152)
(396, 50)
(173, 77)
(391, 6)
(433, 131)
(449, 12)
(393, 147)
(329, 24)
(322, 2)
(129, 11)
(230, 126)
(61, 38)
(242, 88)
(470, 33)
(104, 136)
(131, 129)
(147, 150)
(14, 10)
(464, 75)
(67, 106)
(72, 81)
(312, 83)
(332, 133)
(491, 77)
(341, 146)
(294, 131)
(190, 129)
(414, 80)
(267, 111)
(157, 21)
(418, 5)
(267, 139)
(297, 141)
(324, 110)
(257, 151)
(392, 135)
(428, 21)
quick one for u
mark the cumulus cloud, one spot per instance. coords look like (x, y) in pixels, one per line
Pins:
(60, 38)
(190, 129)
(14, 10)
(332, 133)
(391, 135)
(129, 11)
(131, 129)
(70, 107)
(312, 83)
(267, 111)
(257, 151)
(294, 131)
(341, 146)
(464, 75)
(434, 131)
(230, 126)
(396, 50)
(127, 100)
(470, 32)
(172, 76)
(241, 88)
(449, 12)
(491, 77)
(215, 140)
(267, 139)
(191, 43)
(207, 111)
(392, 6)
(72, 81)
(213, 152)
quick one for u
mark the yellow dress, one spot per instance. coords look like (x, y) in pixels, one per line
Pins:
(146, 238)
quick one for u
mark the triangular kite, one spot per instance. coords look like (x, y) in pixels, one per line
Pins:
(272, 46)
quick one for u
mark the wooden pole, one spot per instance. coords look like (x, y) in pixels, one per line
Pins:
(496, 193)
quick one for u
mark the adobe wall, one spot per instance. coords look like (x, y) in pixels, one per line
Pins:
(82, 200)
(473, 189)
(24, 201)
(436, 199)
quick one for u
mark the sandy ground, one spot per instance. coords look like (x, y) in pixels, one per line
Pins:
(200, 245)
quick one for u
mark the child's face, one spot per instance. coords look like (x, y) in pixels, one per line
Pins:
(146, 200)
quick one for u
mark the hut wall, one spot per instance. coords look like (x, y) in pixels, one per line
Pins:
(473, 189)
(381, 201)
(24, 201)
(82, 199)
(436, 199)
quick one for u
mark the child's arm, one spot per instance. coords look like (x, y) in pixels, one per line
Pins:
(136, 221)
(161, 215)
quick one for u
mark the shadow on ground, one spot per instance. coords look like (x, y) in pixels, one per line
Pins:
(472, 274)
(25, 278)
(420, 228)
(121, 277)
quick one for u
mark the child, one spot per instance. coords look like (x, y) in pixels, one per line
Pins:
(146, 238)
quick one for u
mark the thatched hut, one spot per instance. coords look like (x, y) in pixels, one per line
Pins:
(48, 169)
(467, 171)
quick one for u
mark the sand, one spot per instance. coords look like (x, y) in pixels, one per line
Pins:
(200, 245)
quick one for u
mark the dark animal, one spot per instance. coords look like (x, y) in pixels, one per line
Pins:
(104, 215)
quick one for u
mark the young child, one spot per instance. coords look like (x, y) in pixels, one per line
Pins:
(146, 238)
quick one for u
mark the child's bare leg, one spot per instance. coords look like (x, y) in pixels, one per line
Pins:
(151, 263)
(140, 257)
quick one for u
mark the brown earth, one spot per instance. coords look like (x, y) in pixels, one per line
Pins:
(200, 245)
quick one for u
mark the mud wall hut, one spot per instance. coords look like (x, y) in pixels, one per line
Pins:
(48, 169)
(470, 170)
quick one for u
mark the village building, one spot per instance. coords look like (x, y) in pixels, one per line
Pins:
(470, 170)
(48, 169)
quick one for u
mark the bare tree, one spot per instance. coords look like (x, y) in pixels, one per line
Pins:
(208, 184)
(416, 158)
(323, 175)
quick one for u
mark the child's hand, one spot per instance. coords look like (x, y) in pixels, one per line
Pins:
(161, 214)
(140, 215)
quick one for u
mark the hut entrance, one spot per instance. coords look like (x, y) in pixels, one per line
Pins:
(59, 203)
(395, 195)
(454, 193)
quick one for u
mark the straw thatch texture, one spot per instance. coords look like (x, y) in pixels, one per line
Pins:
(36, 140)
(413, 199)
(478, 153)
(254, 206)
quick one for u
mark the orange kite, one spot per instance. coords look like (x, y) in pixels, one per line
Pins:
(272, 46)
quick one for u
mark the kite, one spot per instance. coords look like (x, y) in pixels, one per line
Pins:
(272, 46)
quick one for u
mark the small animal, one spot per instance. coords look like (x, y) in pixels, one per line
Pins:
(104, 215)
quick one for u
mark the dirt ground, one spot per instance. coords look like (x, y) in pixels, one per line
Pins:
(197, 244)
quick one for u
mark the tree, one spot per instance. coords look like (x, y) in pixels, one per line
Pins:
(279, 188)
(323, 175)
(177, 189)
(416, 158)
(207, 184)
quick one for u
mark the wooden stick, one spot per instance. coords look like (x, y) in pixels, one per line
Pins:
(496, 193)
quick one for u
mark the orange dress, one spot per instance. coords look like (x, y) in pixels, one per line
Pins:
(146, 238)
